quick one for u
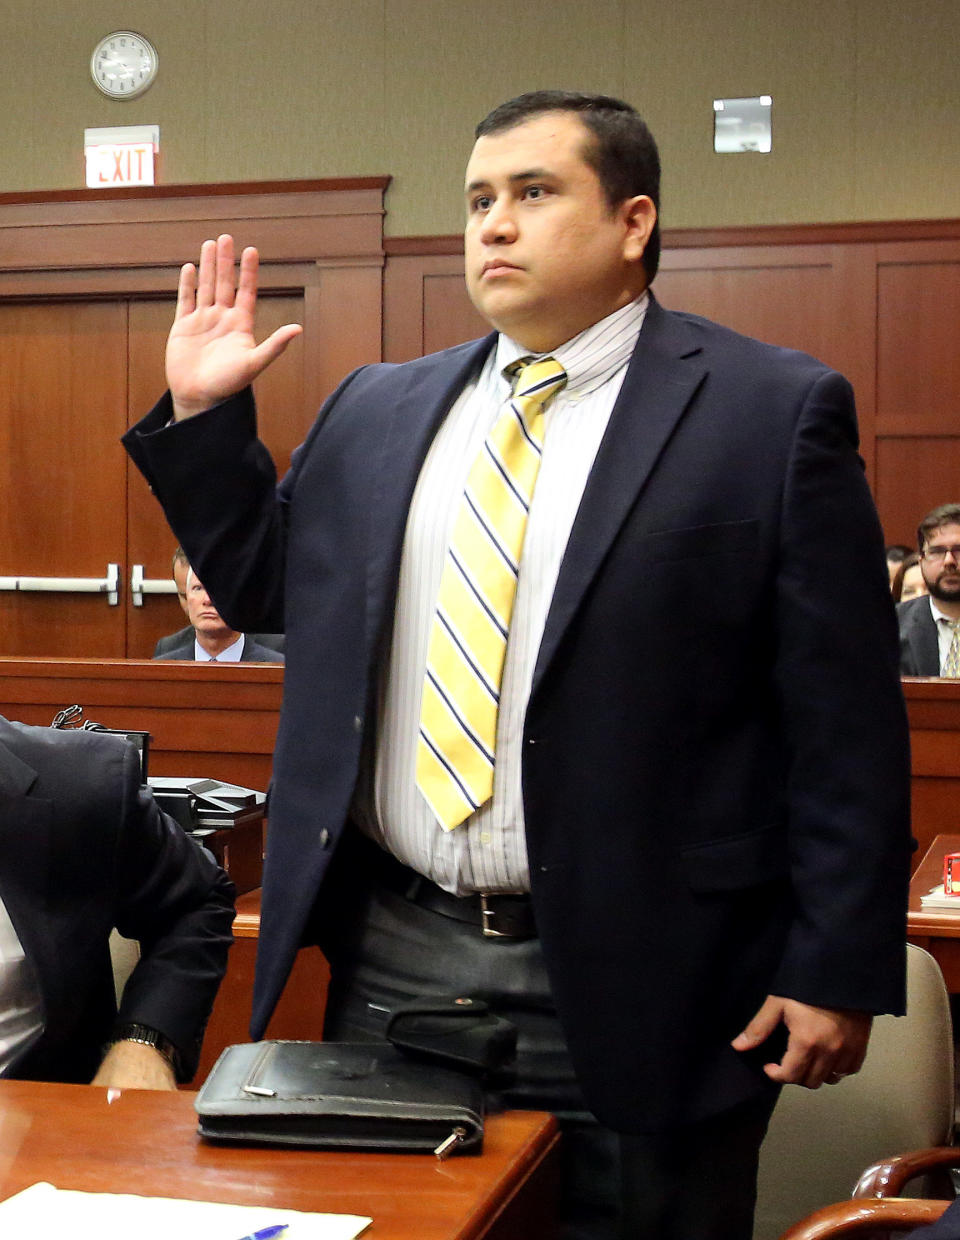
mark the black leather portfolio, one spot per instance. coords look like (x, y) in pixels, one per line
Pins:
(340, 1095)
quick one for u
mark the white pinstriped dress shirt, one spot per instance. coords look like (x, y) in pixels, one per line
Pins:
(488, 851)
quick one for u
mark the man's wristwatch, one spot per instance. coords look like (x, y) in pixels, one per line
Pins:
(149, 1037)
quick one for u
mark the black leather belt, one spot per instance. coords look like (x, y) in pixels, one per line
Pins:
(498, 915)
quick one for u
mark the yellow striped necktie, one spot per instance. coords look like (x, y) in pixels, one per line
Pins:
(468, 640)
(951, 664)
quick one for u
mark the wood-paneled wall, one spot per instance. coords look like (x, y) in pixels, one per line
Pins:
(880, 302)
(87, 293)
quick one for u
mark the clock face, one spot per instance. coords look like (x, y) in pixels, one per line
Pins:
(124, 64)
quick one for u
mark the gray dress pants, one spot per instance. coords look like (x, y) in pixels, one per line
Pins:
(689, 1185)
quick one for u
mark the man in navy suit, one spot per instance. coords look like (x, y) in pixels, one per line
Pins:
(689, 886)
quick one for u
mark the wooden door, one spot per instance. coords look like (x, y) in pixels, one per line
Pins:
(87, 293)
(75, 376)
(63, 407)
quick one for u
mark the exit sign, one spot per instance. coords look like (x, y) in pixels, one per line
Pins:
(121, 156)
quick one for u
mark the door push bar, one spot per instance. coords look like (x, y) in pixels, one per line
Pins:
(109, 585)
(140, 585)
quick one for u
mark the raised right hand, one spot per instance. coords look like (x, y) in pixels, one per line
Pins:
(211, 350)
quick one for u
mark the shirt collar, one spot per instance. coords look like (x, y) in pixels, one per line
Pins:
(230, 655)
(937, 614)
(594, 355)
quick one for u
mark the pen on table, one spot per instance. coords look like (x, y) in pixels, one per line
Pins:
(266, 1233)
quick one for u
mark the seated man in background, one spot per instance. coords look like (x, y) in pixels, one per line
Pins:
(209, 639)
(87, 850)
(183, 637)
(930, 623)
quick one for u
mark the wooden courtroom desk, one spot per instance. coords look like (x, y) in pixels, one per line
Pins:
(76, 1137)
(936, 930)
(205, 720)
(933, 708)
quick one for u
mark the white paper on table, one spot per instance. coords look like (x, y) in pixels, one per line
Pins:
(42, 1210)
(937, 898)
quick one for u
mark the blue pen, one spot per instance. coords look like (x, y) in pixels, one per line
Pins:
(266, 1233)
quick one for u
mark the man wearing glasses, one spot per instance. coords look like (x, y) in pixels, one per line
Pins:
(930, 624)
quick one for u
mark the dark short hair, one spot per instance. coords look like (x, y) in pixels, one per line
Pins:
(897, 552)
(623, 152)
(896, 585)
(946, 514)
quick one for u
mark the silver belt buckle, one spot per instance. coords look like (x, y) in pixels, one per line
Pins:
(487, 915)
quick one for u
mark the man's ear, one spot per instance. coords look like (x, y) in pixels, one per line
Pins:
(639, 215)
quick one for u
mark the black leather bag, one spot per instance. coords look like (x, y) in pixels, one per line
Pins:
(340, 1095)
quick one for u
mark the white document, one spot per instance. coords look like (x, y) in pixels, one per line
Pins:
(42, 1210)
(936, 899)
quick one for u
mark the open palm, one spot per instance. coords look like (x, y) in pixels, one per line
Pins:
(211, 350)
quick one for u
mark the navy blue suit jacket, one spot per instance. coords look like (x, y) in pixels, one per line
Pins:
(715, 771)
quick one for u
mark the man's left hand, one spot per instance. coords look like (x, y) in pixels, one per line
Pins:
(824, 1044)
(131, 1065)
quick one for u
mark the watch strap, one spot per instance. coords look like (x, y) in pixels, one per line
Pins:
(143, 1034)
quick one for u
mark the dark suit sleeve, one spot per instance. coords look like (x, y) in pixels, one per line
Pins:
(844, 722)
(217, 484)
(173, 897)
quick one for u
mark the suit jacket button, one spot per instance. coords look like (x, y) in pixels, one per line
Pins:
(358, 723)
(324, 838)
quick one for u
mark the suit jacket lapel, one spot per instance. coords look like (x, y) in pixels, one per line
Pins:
(661, 380)
(414, 422)
(924, 639)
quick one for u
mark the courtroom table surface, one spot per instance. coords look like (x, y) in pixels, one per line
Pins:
(137, 1141)
(936, 930)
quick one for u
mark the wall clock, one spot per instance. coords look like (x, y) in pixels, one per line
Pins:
(124, 64)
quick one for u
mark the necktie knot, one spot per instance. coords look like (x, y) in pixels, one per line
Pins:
(536, 381)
